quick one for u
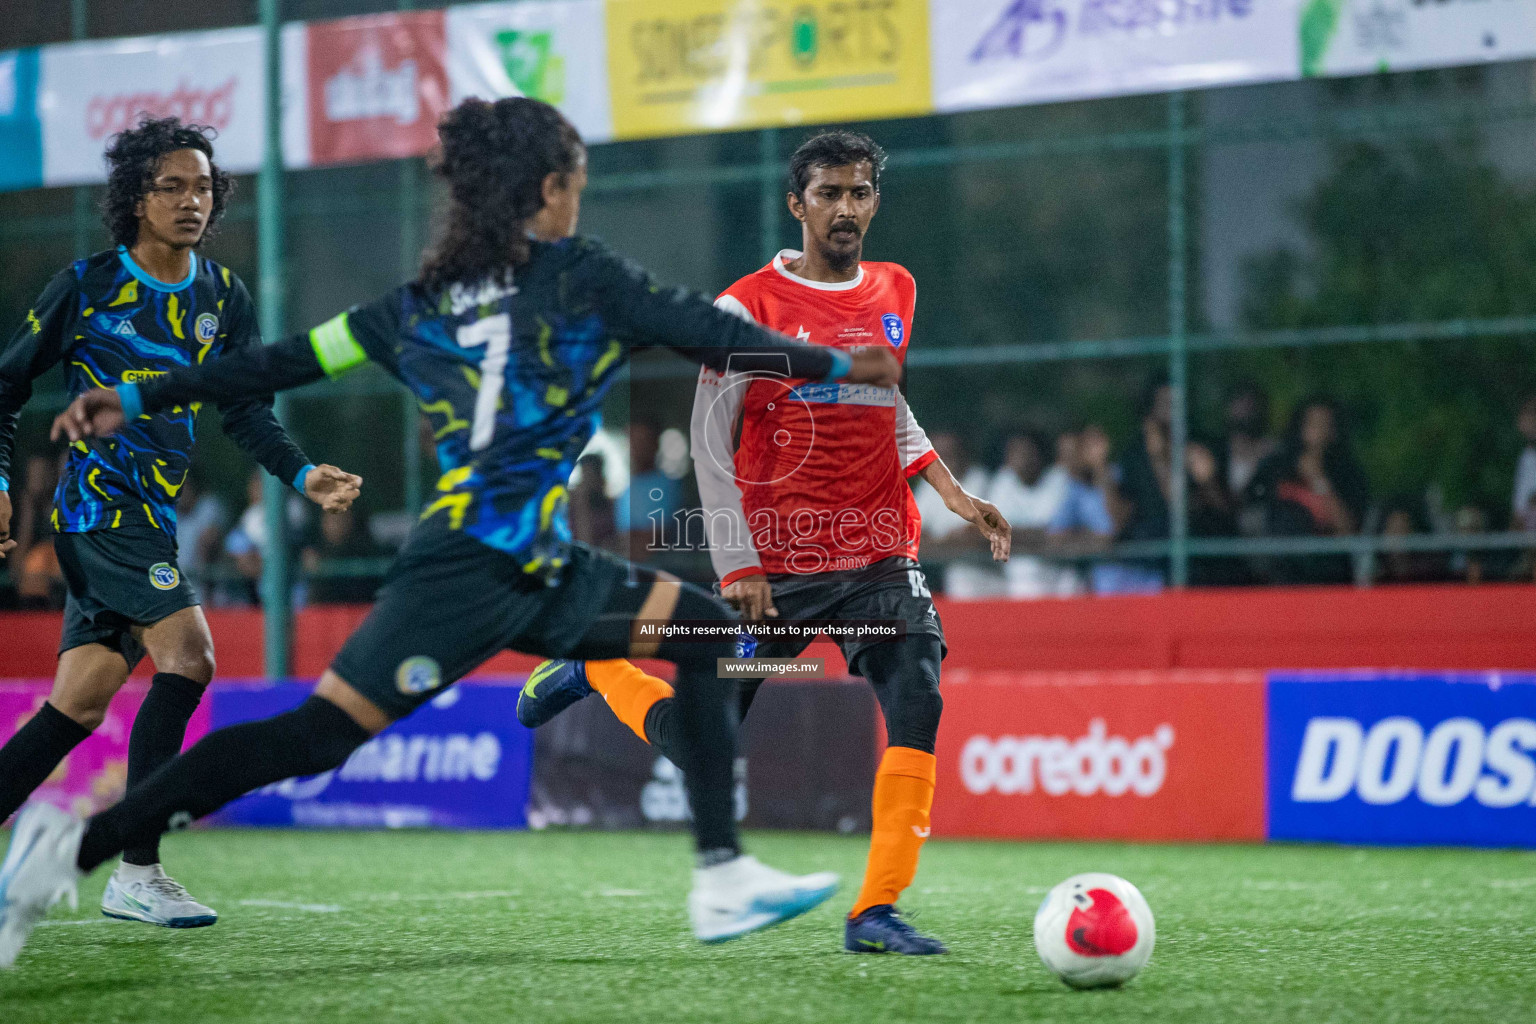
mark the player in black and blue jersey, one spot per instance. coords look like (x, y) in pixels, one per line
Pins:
(509, 339)
(131, 314)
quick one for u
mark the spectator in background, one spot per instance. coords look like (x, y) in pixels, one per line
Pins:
(1524, 503)
(947, 537)
(201, 519)
(1084, 521)
(333, 537)
(1312, 486)
(647, 505)
(1247, 444)
(1145, 485)
(39, 580)
(1028, 494)
(248, 540)
(591, 510)
(1405, 517)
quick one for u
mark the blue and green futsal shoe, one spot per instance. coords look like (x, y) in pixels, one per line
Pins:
(881, 930)
(551, 688)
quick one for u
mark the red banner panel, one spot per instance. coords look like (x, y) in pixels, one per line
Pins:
(377, 86)
(1170, 755)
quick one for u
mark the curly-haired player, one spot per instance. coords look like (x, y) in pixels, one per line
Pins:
(132, 313)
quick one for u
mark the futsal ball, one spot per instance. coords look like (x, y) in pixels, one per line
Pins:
(1094, 931)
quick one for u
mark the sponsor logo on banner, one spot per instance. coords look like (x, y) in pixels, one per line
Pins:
(989, 53)
(1403, 759)
(1144, 756)
(21, 133)
(704, 65)
(461, 761)
(91, 777)
(375, 86)
(1355, 37)
(92, 90)
(555, 52)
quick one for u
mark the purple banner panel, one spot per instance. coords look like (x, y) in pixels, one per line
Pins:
(461, 761)
(92, 776)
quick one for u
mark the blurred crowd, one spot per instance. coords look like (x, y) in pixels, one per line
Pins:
(1070, 496)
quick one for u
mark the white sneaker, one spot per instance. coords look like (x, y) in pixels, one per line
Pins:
(39, 870)
(148, 894)
(744, 895)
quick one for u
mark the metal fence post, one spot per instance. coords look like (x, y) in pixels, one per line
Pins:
(770, 195)
(79, 28)
(1178, 349)
(410, 251)
(276, 596)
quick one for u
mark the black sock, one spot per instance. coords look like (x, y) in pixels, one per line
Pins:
(314, 737)
(158, 731)
(705, 716)
(661, 720)
(31, 755)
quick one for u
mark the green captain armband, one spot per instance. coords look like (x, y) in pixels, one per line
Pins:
(335, 347)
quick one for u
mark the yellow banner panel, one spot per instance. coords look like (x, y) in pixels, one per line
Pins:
(678, 66)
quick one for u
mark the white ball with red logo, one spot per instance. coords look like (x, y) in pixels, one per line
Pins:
(1094, 931)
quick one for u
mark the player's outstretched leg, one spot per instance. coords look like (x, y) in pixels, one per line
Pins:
(905, 675)
(50, 851)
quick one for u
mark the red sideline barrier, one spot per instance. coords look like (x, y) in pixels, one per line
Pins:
(1445, 627)
(1145, 756)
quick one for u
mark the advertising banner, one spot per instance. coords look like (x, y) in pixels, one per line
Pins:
(677, 66)
(461, 761)
(556, 52)
(1403, 758)
(1357, 37)
(92, 777)
(21, 133)
(92, 90)
(991, 53)
(371, 88)
(1175, 755)
(809, 763)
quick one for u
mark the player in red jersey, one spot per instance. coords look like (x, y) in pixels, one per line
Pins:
(810, 516)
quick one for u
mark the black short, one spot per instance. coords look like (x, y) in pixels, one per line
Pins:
(451, 602)
(892, 589)
(119, 579)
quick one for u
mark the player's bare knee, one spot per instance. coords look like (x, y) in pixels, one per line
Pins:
(194, 662)
(83, 709)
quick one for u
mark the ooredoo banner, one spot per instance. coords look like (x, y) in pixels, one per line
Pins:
(1403, 758)
(989, 53)
(461, 761)
(366, 88)
(91, 777)
(90, 91)
(677, 66)
(1120, 755)
(555, 52)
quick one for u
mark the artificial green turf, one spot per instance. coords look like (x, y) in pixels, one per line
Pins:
(419, 926)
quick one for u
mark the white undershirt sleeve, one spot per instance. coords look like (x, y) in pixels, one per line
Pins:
(717, 404)
(911, 441)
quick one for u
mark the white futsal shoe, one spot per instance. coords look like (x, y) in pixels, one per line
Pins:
(148, 894)
(743, 895)
(39, 870)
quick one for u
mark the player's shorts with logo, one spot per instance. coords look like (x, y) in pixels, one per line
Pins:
(119, 579)
(892, 589)
(451, 602)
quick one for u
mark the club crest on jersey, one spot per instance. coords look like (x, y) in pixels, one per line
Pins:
(207, 326)
(163, 576)
(418, 675)
(895, 330)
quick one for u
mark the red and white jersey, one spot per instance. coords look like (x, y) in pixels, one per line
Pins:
(805, 476)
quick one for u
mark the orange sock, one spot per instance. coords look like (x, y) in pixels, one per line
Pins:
(903, 798)
(630, 693)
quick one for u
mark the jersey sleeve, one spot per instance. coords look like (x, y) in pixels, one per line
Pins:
(911, 440)
(37, 344)
(717, 403)
(652, 316)
(250, 421)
